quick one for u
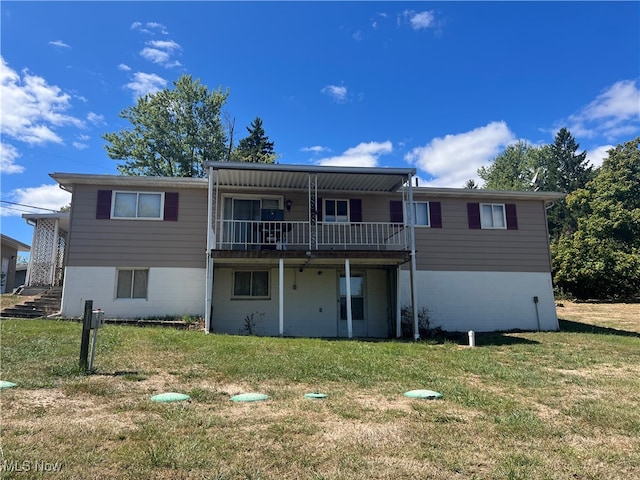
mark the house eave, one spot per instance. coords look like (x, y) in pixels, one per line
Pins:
(67, 180)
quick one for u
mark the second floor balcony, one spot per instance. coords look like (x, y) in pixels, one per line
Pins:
(305, 235)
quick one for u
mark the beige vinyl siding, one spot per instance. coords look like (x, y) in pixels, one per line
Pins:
(456, 247)
(138, 243)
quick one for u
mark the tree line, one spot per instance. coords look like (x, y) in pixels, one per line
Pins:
(595, 230)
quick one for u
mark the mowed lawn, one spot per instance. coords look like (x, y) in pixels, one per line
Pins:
(551, 405)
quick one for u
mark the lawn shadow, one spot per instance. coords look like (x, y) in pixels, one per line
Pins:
(578, 327)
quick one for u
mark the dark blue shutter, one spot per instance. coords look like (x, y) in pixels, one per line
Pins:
(103, 207)
(435, 214)
(355, 205)
(473, 212)
(512, 217)
(319, 210)
(171, 206)
(396, 214)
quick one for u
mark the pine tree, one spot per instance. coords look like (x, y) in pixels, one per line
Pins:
(256, 147)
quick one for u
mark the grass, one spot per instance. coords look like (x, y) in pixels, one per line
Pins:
(551, 405)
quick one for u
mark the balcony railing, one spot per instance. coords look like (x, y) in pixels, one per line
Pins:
(296, 235)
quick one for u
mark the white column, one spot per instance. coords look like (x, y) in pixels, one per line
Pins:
(281, 297)
(208, 259)
(414, 286)
(398, 306)
(347, 278)
(54, 253)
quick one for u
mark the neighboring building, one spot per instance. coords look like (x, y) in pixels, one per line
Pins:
(308, 251)
(10, 247)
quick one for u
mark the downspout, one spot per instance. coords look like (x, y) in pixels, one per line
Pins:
(209, 260)
(398, 307)
(414, 286)
(281, 297)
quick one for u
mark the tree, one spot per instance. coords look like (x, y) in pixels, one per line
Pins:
(256, 147)
(471, 184)
(174, 131)
(570, 172)
(518, 167)
(602, 258)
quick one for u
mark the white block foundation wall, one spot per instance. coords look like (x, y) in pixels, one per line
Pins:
(171, 292)
(484, 301)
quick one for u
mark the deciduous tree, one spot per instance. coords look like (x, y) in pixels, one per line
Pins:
(173, 132)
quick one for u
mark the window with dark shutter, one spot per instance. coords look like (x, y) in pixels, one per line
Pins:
(103, 207)
(396, 211)
(435, 214)
(473, 213)
(171, 206)
(512, 217)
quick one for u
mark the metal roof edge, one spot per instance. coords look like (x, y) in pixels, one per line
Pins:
(67, 179)
(283, 167)
(17, 244)
(482, 193)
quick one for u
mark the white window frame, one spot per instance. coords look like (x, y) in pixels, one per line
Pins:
(415, 214)
(335, 219)
(136, 217)
(497, 210)
(251, 296)
(132, 270)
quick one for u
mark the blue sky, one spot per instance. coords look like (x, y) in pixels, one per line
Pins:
(440, 86)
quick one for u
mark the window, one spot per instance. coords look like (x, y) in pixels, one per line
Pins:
(251, 284)
(492, 215)
(336, 211)
(421, 214)
(132, 283)
(426, 214)
(357, 297)
(141, 205)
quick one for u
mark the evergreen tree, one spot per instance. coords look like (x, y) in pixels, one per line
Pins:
(256, 147)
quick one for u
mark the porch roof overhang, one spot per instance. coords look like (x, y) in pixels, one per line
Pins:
(62, 217)
(314, 259)
(296, 177)
(481, 194)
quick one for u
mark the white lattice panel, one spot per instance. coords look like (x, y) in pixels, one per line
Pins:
(44, 241)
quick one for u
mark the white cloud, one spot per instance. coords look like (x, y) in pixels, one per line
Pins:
(596, 155)
(614, 114)
(161, 52)
(150, 27)
(30, 109)
(454, 159)
(420, 20)
(124, 67)
(362, 155)
(144, 83)
(59, 43)
(315, 149)
(95, 118)
(337, 92)
(79, 145)
(50, 197)
(8, 156)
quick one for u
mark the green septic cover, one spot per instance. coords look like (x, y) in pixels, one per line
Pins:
(315, 395)
(250, 397)
(170, 397)
(4, 384)
(430, 394)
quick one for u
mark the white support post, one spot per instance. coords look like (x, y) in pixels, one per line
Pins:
(209, 260)
(347, 279)
(281, 297)
(414, 286)
(54, 253)
(398, 305)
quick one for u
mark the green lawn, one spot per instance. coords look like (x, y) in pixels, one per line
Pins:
(528, 405)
